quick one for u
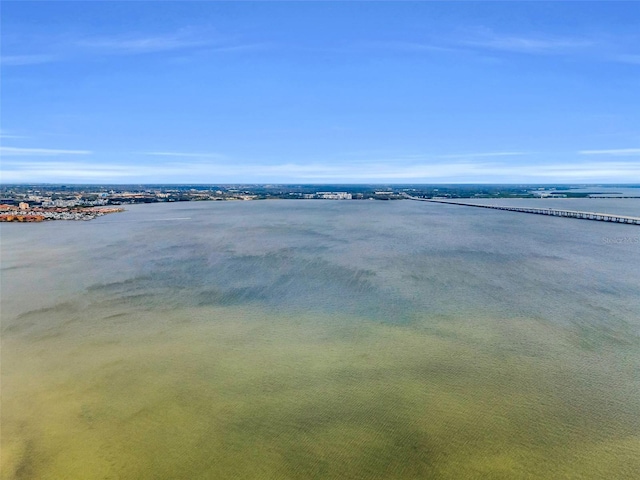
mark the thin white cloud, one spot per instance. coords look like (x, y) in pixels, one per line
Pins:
(70, 171)
(400, 45)
(368, 154)
(483, 155)
(67, 48)
(189, 38)
(242, 47)
(17, 151)
(462, 171)
(538, 44)
(484, 40)
(8, 134)
(614, 152)
(147, 44)
(32, 59)
(376, 171)
(185, 154)
(621, 171)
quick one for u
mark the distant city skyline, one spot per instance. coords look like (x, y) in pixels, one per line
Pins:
(320, 92)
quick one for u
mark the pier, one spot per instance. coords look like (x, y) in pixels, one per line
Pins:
(555, 212)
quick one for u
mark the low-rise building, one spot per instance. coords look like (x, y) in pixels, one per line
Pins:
(334, 195)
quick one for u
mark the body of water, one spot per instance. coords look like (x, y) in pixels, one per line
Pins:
(321, 339)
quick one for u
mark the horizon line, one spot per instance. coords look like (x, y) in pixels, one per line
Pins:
(2, 184)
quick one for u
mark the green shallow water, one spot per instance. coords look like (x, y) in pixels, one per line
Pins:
(116, 373)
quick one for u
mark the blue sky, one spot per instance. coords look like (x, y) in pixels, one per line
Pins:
(320, 92)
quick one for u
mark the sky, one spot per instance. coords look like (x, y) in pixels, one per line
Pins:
(320, 92)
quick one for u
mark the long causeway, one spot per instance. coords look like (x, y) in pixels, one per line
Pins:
(555, 212)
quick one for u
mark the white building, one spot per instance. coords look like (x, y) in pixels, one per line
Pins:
(334, 195)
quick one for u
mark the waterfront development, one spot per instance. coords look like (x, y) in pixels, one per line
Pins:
(322, 339)
(24, 213)
(36, 203)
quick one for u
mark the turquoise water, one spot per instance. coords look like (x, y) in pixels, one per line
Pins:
(320, 339)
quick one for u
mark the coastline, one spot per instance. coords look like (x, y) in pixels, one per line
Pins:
(9, 213)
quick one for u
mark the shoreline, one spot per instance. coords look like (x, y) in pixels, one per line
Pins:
(34, 215)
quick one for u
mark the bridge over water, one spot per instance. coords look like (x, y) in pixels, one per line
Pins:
(556, 212)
